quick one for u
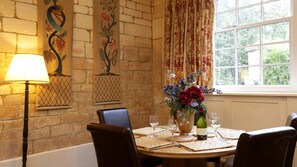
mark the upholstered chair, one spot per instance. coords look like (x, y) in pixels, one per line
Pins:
(261, 148)
(120, 117)
(114, 146)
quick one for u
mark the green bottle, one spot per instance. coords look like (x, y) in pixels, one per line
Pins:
(201, 127)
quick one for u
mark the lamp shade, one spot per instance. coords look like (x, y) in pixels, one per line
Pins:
(27, 67)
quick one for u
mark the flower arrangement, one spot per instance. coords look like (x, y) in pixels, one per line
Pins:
(186, 96)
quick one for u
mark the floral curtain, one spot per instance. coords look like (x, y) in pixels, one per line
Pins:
(188, 39)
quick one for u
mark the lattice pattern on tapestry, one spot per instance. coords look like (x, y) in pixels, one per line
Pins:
(57, 93)
(107, 88)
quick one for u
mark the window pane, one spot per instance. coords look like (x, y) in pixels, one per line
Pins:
(276, 75)
(276, 54)
(248, 56)
(225, 58)
(276, 32)
(249, 15)
(249, 36)
(249, 76)
(223, 5)
(275, 10)
(225, 20)
(224, 39)
(247, 2)
(225, 76)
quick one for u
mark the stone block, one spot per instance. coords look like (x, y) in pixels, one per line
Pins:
(145, 55)
(26, 11)
(126, 18)
(27, 44)
(157, 28)
(5, 90)
(145, 2)
(131, 5)
(40, 133)
(9, 112)
(158, 10)
(83, 21)
(132, 12)
(147, 16)
(123, 3)
(144, 8)
(143, 42)
(123, 64)
(127, 40)
(134, 65)
(143, 22)
(131, 53)
(81, 9)
(26, 1)
(146, 66)
(41, 122)
(62, 129)
(78, 49)
(133, 86)
(81, 35)
(7, 42)
(91, 11)
(89, 50)
(7, 8)
(138, 30)
(86, 3)
(78, 76)
(73, 117)
(82, 64)
(19, 26)
(13, 125)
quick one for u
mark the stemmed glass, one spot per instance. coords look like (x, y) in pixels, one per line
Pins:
(215, 124)
(171, 126)
(154, 122)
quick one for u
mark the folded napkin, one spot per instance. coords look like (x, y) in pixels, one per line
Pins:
(208, 144)
(150, 142)
(147, 131)
(230, 133)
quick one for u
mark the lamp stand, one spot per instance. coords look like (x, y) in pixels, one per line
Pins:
(25, 129)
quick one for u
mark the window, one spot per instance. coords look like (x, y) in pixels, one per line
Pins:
(253, 45)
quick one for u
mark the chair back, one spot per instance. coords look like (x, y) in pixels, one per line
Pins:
(291, 121)
(114, 145)
(115, 116)
(263, 148)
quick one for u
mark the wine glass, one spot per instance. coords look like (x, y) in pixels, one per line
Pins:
(215, 124)
(211, 115)
(171, 126)
(154, 122)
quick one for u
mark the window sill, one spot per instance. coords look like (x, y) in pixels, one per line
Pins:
(275, 94)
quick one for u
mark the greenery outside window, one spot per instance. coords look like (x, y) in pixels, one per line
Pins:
(254, 45)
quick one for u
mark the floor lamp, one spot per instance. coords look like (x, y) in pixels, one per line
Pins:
(28, 69)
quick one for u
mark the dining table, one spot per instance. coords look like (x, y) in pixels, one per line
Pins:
(186, 154)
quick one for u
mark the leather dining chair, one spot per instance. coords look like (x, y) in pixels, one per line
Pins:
(115, 116)
(263, 148)
(120, 117)
(114, 146)
(291, 121)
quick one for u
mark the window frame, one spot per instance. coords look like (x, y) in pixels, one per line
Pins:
(287, 89)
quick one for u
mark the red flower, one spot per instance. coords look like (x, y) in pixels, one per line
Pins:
(185, 97)
(105, 16)
(195, 92)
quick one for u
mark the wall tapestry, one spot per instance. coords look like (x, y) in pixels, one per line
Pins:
(55, 39)
(106, 49)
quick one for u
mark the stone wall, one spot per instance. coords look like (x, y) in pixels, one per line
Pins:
(55, 129)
